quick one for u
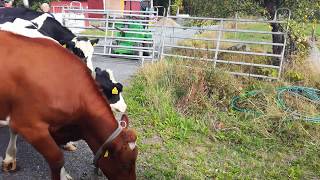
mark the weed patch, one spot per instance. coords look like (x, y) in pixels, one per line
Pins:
(188, 131)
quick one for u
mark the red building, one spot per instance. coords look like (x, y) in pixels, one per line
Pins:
(134, 5)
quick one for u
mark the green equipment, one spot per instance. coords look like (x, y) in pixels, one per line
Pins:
(130, 37)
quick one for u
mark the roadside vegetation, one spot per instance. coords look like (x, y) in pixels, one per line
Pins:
(187, 129)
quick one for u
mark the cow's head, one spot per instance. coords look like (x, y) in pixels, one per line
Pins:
(83, 48)
(111, 89)
(119, 160)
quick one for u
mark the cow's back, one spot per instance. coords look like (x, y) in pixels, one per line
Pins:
(40, 75)
(10, 14)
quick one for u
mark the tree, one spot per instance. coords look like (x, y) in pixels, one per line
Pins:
(302, 11)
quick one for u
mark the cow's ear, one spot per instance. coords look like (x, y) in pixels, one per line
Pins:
(71, 45)
(67, 44)
(62, 42)
(125, 119)
(119, 86)
(97, 70)
(94, 41)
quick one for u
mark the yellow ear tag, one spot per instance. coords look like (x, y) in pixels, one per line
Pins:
(65, 46)
(106, 154)
(115, 91)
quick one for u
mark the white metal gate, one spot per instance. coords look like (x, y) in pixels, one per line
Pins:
(224, 42)
(126, 34)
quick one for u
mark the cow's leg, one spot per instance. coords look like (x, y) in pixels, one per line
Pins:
(45, 145)
(10, 162)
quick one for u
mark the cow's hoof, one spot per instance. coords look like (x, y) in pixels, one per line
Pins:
(68, 177)
(70, 147)
(9, 166)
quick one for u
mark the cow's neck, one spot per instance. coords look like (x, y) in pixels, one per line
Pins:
(99, 127)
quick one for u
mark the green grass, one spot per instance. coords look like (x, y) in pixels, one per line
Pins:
(95, 32)
(308, 29)
(249, 36)
(187, 131)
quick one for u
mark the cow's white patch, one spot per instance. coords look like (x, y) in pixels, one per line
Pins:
(120, 105)
(111, 75)
(87, 49)
(18, 26)
(132, 145)
(64, 175)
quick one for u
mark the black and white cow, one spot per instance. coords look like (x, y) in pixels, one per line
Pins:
(111, 89)
(50, 27)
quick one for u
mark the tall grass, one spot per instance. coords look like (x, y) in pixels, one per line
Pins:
(188, 131)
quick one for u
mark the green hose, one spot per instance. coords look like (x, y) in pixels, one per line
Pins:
(311, 94)
(307, 93)
(235, 99)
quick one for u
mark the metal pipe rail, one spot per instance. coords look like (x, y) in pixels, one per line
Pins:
(128, 47)
(227, 19)
(110, 20)
(226, 40)
(224, 61)
(138, 40)
(95, 11)
(126, 30)
(125, 56)
(133, 23)
(225, 30)
(247, 64)
(252, 75)
(226, 51)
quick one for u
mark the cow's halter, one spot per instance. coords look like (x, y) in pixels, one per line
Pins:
(121, 126)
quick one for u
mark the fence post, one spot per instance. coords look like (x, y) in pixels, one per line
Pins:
(218, 44)
(106, 33)
(141, 58)
(163, 37)
(112, 35)
(282, 54)
(153, 47)
(63, 16)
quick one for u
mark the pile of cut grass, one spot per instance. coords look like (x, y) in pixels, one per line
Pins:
(187, 130)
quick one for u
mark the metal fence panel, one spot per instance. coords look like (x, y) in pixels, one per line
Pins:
(126, 34)
(241, 46)
(227, 43)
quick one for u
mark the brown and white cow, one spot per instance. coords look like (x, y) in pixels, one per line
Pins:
(104, 78)
(52, 99)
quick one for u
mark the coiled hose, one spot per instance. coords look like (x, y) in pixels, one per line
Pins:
(309, 94)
